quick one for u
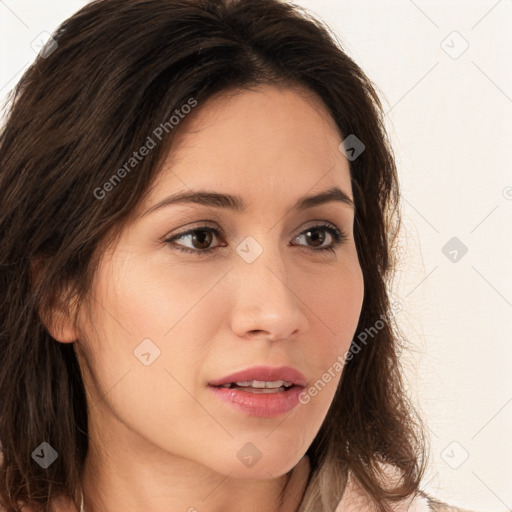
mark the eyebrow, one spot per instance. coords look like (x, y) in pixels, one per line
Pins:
(236, 203)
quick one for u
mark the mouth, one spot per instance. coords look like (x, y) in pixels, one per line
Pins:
(262, 391)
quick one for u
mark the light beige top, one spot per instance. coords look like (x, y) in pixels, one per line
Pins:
(355, 499)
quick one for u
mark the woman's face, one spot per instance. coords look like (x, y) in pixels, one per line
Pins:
(163, 323)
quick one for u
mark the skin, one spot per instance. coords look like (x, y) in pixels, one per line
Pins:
(159, 439)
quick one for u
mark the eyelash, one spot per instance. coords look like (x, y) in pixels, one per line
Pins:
(338, 236)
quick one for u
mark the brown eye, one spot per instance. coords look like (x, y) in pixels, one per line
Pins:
(312, 235)
(316, 240)
(201, 238)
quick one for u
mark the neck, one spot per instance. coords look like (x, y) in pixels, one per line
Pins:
(283, 494)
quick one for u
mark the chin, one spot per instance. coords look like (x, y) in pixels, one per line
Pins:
(268, 466)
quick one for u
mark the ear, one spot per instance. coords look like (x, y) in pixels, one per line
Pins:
(59, 322)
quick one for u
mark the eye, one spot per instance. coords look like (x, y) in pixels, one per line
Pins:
(202, 236)
(336, 234)
(201, 239)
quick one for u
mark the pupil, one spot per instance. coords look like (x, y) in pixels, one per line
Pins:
(196, 236)
(317, 232)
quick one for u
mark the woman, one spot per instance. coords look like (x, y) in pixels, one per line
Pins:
(146, 367)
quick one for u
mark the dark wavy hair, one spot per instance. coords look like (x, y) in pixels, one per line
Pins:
(76, 115)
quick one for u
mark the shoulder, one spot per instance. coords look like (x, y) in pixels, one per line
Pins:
(354, 499)
(439, 506)
(424, 503)
(418, 503)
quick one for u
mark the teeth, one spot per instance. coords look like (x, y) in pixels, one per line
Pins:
(264, 384)
(260, 384)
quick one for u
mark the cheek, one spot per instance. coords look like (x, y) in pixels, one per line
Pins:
(124, 325)
(335, 305)
(143, 313)
(335, 301)
(149, 299)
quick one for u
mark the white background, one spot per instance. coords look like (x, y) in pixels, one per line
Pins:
(449, 117)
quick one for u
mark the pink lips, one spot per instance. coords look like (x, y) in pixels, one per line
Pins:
(264, 373)
(263, 405)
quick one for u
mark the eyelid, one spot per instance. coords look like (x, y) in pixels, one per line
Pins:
(200, 224)
(209, 224)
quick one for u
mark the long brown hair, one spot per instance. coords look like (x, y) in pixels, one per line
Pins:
(116, 69)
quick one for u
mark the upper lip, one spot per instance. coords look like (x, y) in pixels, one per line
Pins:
(264, 373)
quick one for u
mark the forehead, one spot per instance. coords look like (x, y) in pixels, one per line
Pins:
(269, 142)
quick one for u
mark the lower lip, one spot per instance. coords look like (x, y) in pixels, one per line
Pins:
(264, 405)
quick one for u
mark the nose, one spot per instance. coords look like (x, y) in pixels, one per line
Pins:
(267, 304)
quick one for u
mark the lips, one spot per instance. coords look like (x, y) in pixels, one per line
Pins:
(249, 397)
(263, 373)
